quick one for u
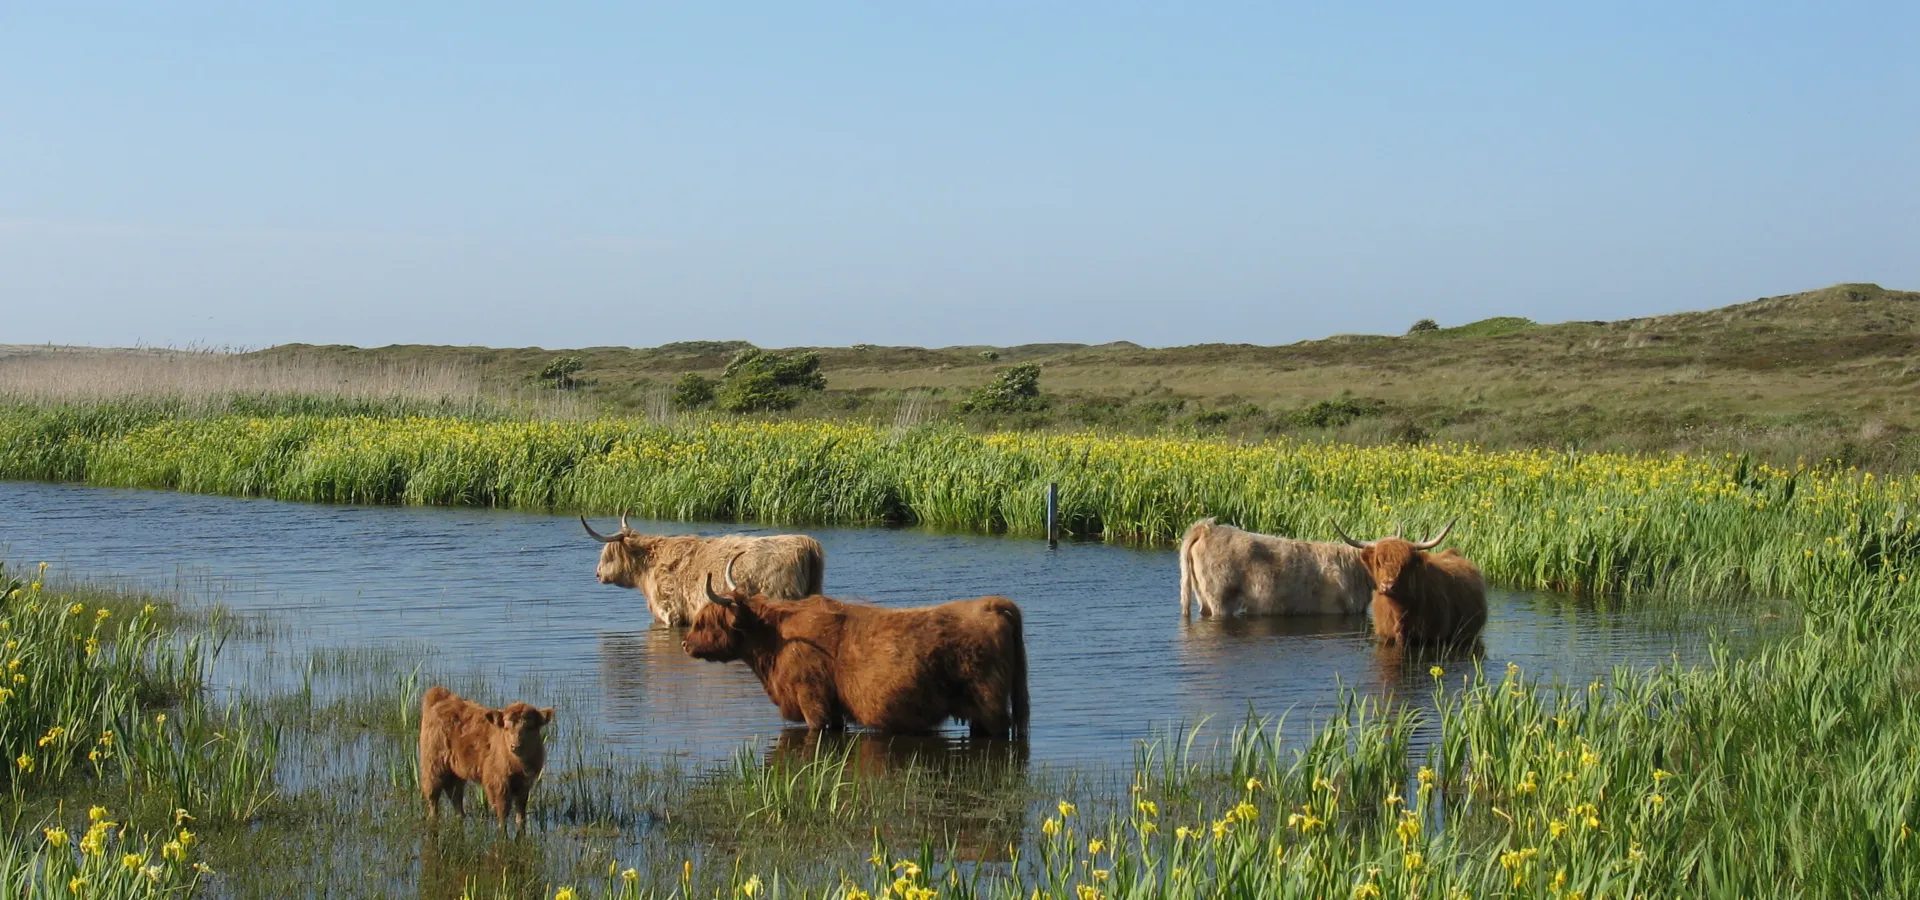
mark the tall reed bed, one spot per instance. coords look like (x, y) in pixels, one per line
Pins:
(1599, 522)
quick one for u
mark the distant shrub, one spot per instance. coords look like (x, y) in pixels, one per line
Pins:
(1014, 390)
(989, 355)
(758, 380)
(1335, 413)
(558, 372)
(1424, 325)
(692, 391)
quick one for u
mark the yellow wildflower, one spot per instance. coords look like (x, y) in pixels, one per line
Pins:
(1095, 846)
(1067, 810)
(56, 837)
(1051, 827)
(566, 893)
(131, 861)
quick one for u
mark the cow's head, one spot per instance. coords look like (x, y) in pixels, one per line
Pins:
(1394, 562)
(521, 724)
(730, 621)
(623, 556)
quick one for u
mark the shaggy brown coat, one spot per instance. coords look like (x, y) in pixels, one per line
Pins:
(462, 741)
(1424, 599)
(672, 571)
(824, 662)
(1234, 572)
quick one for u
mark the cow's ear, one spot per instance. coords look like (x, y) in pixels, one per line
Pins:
(497, 718)
(546, 716)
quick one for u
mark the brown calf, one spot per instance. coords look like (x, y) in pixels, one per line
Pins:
(462, 741)
(824, 662)
(1423, 599)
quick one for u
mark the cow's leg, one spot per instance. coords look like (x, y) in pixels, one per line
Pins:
(990, 716)
(821, 713)
(497, 798)
(456, 791)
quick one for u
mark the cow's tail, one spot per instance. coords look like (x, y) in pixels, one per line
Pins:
(1188, 586)
(816, 566)
(1021, 709)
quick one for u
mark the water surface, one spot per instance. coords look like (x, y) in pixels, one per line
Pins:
(513, 595)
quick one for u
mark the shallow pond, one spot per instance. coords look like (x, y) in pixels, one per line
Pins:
(513, 596)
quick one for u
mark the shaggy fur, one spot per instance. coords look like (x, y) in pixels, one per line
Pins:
(462, 741)
(824, 662)
(1424, 599)
(672, 571)
(1234, 572)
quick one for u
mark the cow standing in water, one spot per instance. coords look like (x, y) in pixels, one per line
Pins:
(671, 571)
(1228, 571)
(824, 662)
(1423, 599)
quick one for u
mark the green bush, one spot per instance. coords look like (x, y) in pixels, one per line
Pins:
(1424, 325)
(1014, 390)
(1335, 413)
(559, 372)
(757, 380)
(692, 391)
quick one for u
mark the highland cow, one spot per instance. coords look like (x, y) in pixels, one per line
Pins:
(670, 571)
(825, 663)
(1233, 572)
(462, 741)
(1423, 599)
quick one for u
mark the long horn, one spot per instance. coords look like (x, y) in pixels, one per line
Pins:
(597, 535)
(716, 599)
(1357, 545)
(730, 585)
(623, 522)
(1436, 539)
(1397, 529)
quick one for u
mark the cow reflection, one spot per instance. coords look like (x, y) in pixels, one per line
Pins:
(879, 753)
(972, 791)
(1409, 670)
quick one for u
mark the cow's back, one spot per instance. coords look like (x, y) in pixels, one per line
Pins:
(1262, 574)
(916, 664)
(778, 567)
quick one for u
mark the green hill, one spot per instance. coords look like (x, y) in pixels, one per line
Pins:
(1826, 372)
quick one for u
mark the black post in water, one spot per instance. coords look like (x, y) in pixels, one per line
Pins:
(1053, 515)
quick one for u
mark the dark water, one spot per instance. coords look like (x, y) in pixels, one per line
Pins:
(513, 595)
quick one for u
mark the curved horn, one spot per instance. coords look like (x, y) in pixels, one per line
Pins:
(623, 522)
(1357, 545)
(1397, 529)
(717, 599)
(730, 585)
(597, 535)
(1434, 541)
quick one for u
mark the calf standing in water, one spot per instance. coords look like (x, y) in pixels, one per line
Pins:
(462, 741)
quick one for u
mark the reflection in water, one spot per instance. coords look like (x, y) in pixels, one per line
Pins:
(975, 791)
(875, 753)
(512, 597)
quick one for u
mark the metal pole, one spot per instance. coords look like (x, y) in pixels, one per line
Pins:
(1053, 515)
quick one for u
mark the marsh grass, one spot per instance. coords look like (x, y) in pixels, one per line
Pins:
(1583, 523)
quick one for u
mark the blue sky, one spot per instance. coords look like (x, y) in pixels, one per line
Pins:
(827, 173)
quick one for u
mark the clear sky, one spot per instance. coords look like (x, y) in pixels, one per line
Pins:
(917, 173)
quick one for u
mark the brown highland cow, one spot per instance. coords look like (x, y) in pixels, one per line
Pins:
(824, 662)
(1423, 599)
(462, 741)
